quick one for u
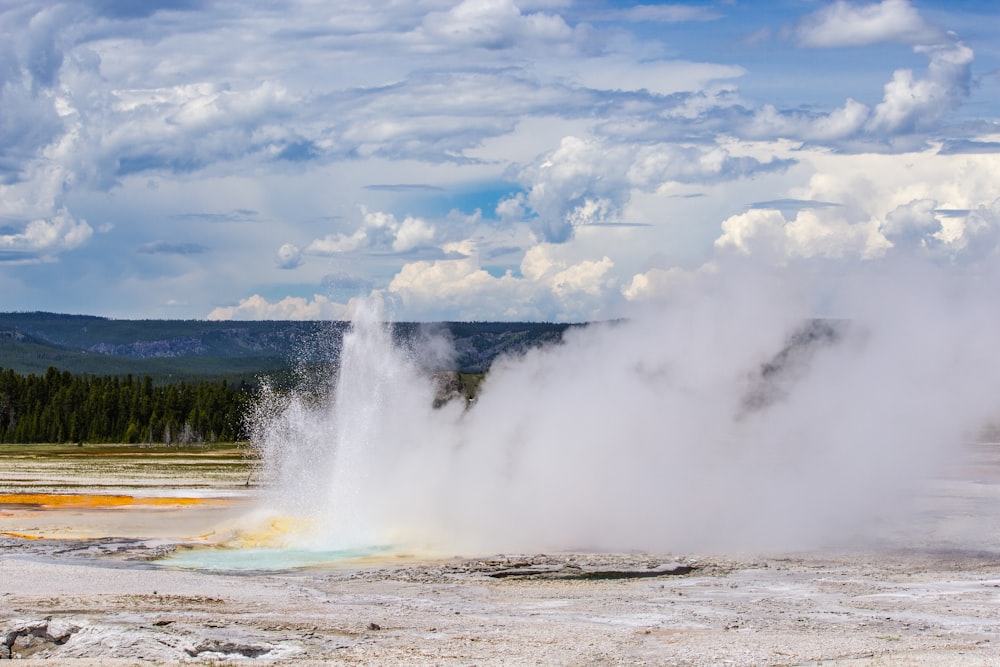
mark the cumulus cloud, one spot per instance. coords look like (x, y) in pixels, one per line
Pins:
(580, 182)
(332, 244)
(913, 104)
(257, 307)
(587, 277)
(854, 24)
(911, 224)
(961, 236)
(841, 123)
(581, 288)
(379, 232)
(424, 284)
(827, 234)
(412, 233)
(910, 104)
(881, 211)
(41, 225)
(448, 289)
(589, 181)
(656, 284)
(289, 256)
(494, 24)
(44, 239)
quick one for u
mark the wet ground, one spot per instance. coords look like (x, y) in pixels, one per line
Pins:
(86, 577)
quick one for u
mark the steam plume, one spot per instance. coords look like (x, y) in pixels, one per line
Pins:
(753, 410)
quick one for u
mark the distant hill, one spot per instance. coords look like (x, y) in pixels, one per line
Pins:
(193, 350)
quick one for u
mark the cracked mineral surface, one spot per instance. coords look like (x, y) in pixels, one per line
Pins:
(87, 585)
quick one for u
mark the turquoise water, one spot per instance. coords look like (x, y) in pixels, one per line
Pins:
(246, 560)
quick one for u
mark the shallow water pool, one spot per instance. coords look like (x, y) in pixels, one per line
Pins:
(265, 559)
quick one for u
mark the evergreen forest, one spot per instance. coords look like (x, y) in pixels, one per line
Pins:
(60, 407)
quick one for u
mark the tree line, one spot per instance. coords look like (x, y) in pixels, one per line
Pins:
(60, 407)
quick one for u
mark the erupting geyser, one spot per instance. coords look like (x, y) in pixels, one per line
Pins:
(328, 460)
(727, 419)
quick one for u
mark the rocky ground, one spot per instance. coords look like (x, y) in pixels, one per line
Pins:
(73, 607)
(930, 597)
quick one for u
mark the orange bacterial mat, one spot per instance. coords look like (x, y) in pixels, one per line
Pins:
(93, 500)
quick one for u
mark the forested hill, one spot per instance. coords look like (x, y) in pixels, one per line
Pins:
(193, 350)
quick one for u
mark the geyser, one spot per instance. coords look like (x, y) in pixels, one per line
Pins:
(726, 418)
(329, 457)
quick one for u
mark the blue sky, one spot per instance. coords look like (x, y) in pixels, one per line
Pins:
(485, 159)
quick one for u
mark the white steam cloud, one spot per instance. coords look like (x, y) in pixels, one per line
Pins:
(726, 418)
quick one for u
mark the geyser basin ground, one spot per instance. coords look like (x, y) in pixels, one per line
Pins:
(175, 494)
(929, 595)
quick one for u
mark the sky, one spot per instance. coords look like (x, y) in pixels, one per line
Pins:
(556, 160)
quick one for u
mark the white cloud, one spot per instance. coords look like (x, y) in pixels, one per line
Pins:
(289, 256)
(840, 123)
(494, 24)
(43, 239)
(586, 277)
(43, 225)
(580, 288)
(851, 24)
(756, 230)
(379, 231)
(129, 118)
(822, 233)
(257, 307)
(581, 182)
(31, 57)
(590, 180)
(444, 280)
(916, 104)
(911, 224)
(967, 237)
(332, 244)
(412, 233)
(909, 105)
(191, 124)
(891, 203)
(657, 284)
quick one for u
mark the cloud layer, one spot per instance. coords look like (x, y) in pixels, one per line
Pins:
(486, 159)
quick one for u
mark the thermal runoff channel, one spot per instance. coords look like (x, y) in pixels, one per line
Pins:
(730, 416)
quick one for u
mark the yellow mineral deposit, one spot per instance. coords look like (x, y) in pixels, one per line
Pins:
(266, 533)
